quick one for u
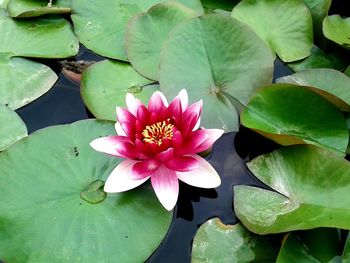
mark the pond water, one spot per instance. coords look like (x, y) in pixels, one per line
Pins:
(63, 104)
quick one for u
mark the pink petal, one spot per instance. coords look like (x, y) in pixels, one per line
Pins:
(119, 129)
(109, 144)
(166, 187)
(184, 99)
(143, 114)
(165, 155)
(182, 163)
(190, 117)
(118, 146)
(121, 179)
(174, 110)
(196, 127)
(200, 141)
(204, 176)
(144, 168)
(124, 116)
(177, 139)
(157, 102)
(132, 103)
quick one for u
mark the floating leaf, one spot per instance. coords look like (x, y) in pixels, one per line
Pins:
(346, 252)
(105, 84)
(347, 71)
(100, 25)
(53, 209)
(274, 113)
(337, 29)
(286, 26)
(215, 4)
(12, 127)
(319, 10)
(312, 187)
(313, 246)
(332, 84)
(146, 33)
(33, 8)
(319, 59)
(216, 58)
(216, 242)
(23, 81)
(48, 38)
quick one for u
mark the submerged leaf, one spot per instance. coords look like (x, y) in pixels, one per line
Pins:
(216, 242)
(311, 184)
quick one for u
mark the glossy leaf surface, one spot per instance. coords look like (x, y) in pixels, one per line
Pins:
(105, 84)
(327, 82)
(216, 242)
(12, 127)
(34, 8)
(215, 58)
(286, 26)
(100, 25)
(337, 29)
(23, 81)
(146, 33)
(287, 114)
(311, 187)
(48, 38)
(44, 217)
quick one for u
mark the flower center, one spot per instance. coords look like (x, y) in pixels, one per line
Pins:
(158, 131)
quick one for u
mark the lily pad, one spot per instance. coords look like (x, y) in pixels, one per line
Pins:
(100, 25)
(222, 4)
(12, 127)
(34, 8)
(319, 10)
(312, 187)
(216, 58)
(216, 242)
(274, 113)
(105, 84)
(313, 246)
(146, 33)
(330, 83)
(337, 29)
(346, 252)
(23, 81)
(319, 59)
(347, 71)
(286, 26)
(48, 38)
(49, 213)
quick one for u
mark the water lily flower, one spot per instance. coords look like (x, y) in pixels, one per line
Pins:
(160, 142)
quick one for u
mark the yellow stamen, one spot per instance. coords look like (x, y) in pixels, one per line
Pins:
(157, 132)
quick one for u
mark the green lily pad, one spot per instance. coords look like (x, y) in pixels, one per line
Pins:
(319, 59)
(337, 29)
(313, 246)
(34, 8)
(221, 4)
(23, 81)
(100, 25)
(12, 127)
(48, 38)
(330, 83)
(146, 33)
(346, 252)
(291, 114)
(312, 187)
(216, 242)
(319, 10)
(43, 216)
(104, 86)
(216, 58)
(286, 26)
